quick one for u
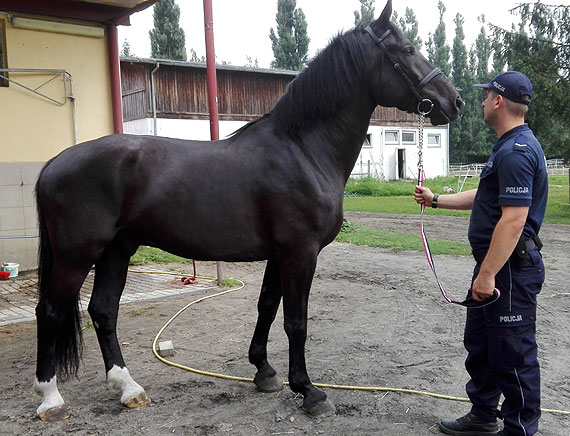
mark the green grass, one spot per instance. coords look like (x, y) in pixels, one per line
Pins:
(400, 204)
(361, 235)
(386, 201)
(558, 210)
(154, 255)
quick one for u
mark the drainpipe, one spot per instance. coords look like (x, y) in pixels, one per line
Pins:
(212, 95)
(152, 91)
(116, 98)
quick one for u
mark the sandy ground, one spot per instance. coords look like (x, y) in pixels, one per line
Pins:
(376, 319)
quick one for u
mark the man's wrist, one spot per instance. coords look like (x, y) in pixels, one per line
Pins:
(434, 201)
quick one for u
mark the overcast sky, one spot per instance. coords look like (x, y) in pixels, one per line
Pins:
(241, 28)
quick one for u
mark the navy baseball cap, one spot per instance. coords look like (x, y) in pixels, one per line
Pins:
(512, 85)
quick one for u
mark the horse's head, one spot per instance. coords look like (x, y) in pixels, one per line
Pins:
(402, 77)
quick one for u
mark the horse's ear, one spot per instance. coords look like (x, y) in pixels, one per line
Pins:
(381, 24)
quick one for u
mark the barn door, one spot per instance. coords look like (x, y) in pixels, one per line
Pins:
(401, 163)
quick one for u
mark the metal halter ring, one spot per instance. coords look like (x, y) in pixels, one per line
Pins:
(423, 105)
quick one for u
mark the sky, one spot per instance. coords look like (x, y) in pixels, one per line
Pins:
(241, 28)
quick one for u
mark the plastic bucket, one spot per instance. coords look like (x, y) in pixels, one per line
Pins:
(11, 268)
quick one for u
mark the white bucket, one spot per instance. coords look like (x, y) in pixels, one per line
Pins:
(11, 268)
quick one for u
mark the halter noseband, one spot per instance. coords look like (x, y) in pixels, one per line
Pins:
(425, 105)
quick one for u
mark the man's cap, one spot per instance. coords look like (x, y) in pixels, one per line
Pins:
(511, 84)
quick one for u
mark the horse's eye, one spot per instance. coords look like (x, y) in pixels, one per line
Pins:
(409, 50)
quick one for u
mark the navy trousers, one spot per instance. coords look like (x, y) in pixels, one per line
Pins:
(502, 351)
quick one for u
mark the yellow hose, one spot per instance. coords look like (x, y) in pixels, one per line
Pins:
(321, 385)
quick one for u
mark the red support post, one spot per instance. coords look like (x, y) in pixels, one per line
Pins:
(212, 95)
(211, 70)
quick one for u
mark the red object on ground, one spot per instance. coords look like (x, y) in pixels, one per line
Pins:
(4, 275)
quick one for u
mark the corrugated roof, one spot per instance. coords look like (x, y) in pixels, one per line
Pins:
(203, 65)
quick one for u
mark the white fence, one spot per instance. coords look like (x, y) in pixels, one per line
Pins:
(555, 167)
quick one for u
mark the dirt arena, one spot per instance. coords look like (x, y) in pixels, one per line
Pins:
(376, 319)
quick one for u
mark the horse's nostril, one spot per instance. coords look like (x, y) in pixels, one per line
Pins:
(458, 102)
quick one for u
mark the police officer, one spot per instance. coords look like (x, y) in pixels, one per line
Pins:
(507, 211)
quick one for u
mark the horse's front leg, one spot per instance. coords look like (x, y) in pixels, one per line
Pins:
(297, 275)
(266, 378)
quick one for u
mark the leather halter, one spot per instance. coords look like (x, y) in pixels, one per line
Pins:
(425, 105)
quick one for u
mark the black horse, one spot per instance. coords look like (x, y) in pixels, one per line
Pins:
(273, 191)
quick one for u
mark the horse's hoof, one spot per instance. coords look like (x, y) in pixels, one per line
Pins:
(268, 384)
(141, 399)
(321, 409)
(55, 414)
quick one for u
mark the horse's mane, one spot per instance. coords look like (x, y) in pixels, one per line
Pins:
(319, 90)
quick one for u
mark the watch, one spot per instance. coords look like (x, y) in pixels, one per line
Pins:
(434, 201)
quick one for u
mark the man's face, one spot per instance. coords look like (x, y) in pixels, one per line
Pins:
(488, 105)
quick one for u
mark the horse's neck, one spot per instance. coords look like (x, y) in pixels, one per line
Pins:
(344, 135)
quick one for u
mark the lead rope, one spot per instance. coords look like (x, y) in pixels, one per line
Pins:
(424, 108)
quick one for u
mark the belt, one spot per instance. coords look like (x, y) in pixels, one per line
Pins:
(519, 254)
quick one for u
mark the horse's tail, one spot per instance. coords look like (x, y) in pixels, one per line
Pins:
(68, 340)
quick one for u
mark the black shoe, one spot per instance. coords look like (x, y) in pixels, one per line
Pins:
(469, 425)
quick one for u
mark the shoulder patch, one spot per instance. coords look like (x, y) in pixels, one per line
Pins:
(521, 144)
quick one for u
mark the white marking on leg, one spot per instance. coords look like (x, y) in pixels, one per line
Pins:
(119, 379)
(49, 393)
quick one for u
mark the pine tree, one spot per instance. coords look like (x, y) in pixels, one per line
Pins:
(126, 50)
(167, 40)
(460, 140)
(483, 51)
(366, 14)
(409, 26)
(291, 43)
(539, 48)
(440, 49)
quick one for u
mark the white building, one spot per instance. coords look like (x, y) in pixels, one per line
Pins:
(178, 90)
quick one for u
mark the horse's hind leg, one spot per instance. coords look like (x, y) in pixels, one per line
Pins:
(58, 336)
(110, 278)
(266, 378)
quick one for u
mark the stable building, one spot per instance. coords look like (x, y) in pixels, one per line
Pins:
(169, 98)
(59, 85)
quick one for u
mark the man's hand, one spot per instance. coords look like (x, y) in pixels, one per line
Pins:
(483, 287)
(423, 195)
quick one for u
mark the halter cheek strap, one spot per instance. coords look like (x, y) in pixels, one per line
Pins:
(416, 90)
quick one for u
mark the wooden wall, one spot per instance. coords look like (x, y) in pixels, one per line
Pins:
(243, 93)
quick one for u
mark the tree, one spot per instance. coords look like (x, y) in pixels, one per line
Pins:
(540, 49)
(409, 26)
(483, 54)
(167, 40)
(291, 43)
(460, 140)
(251, 62)
(438, 50)
(366, 14)
(126, 49)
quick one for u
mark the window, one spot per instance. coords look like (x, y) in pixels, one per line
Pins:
(392, 137)
(367, 142)
(434, 140)
(409, 137)
(3, 58)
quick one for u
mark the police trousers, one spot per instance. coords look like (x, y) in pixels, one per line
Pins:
(502, 351)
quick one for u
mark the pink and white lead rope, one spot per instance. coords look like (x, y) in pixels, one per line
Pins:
(469, 301)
